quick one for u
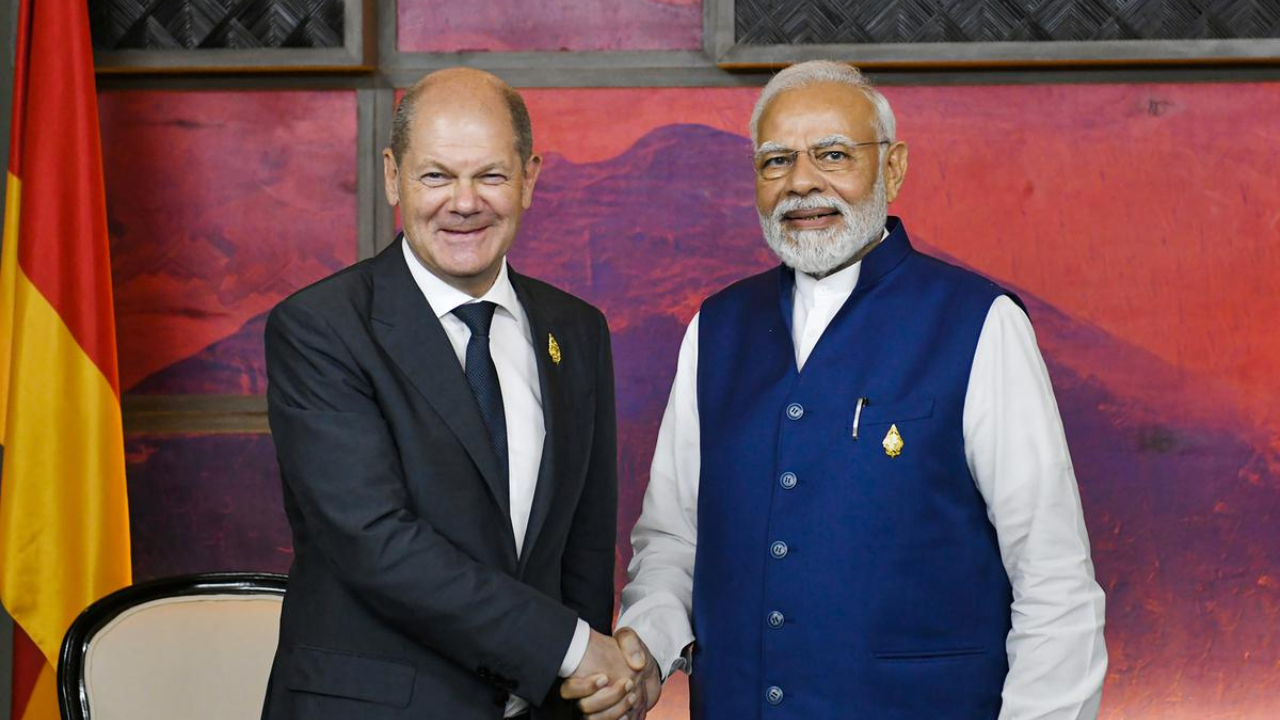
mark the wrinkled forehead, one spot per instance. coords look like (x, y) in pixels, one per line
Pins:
(479, 132)
(806, 116)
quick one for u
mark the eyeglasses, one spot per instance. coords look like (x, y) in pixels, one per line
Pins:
(827, 157)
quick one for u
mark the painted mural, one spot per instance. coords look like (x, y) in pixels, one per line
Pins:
(219, 205)
(203, 503)
(555, 25)
(1138, 222)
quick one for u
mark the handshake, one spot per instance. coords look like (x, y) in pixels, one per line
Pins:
(617, 678)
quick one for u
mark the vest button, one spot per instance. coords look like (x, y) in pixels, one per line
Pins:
(776, 619)
(795, 411)
(788, 480)
(773, 695)
(778, 549)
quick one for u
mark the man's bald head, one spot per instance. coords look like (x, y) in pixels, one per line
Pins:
(455, 85)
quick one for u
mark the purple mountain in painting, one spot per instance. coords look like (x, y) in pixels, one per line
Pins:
(231, 366)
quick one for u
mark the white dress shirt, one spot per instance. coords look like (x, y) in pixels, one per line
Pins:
(511, 346)
(1017, 453)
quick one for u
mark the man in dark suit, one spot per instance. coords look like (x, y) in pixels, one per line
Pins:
(445, 430)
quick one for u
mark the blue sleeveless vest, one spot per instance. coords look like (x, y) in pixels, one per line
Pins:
(832, 579)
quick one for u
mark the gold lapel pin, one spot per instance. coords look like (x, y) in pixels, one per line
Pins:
(553, 348)
(892, 442)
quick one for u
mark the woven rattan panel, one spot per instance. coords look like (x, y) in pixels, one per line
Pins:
(783, 22)
(235, 24)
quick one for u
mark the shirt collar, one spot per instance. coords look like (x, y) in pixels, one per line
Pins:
(838, 284)
(444, 297)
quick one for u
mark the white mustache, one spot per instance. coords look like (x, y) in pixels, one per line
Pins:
(810, 202)
(818, 251)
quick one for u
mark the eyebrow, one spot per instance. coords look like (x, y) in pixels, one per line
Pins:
(497, 165)
(830, 140)
(772, 147)
(826, 142)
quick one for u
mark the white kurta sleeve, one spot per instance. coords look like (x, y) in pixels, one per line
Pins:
(658, 601)
(1017, 452)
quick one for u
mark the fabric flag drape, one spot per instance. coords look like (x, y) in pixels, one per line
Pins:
(64, 523)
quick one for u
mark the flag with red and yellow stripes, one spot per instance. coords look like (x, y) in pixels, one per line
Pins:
(64, 522)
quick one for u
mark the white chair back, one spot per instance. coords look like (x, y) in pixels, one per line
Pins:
(203, 656)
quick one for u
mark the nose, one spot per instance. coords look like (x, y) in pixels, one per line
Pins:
(805, 177)
(466, 201)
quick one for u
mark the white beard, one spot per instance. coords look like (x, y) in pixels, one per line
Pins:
(819, 252)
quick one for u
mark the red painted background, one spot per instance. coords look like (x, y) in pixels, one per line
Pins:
(1139, 222)
(219, 204)
(500, 25)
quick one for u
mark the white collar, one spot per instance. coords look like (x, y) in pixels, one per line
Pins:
(837, 284)
(444, 297)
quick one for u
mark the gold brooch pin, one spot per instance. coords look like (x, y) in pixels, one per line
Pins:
(892, 442)
(553, 348)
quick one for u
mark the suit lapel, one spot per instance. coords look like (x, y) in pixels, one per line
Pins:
(541, 330)
(414, 338)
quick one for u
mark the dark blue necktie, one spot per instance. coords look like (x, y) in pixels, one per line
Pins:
(483, 376)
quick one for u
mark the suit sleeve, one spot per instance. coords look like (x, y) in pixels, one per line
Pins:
(588, 561)
(340, 464)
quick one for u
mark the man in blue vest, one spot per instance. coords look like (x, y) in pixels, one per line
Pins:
(861, 504)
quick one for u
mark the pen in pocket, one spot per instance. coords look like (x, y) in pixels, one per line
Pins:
(857, 414)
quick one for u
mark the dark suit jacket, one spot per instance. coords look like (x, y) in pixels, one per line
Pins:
(406, 599)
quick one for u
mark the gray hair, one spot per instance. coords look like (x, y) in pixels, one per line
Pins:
(825, 71)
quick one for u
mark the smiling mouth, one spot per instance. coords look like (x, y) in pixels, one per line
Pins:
(816, 214)
(464, 232)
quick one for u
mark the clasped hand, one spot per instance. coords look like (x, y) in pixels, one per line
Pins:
(617, 678)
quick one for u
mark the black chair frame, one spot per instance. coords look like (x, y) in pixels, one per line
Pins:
(72, 698)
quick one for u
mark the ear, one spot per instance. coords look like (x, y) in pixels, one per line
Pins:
(390, 177)
(895, 169)
(531, 170)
